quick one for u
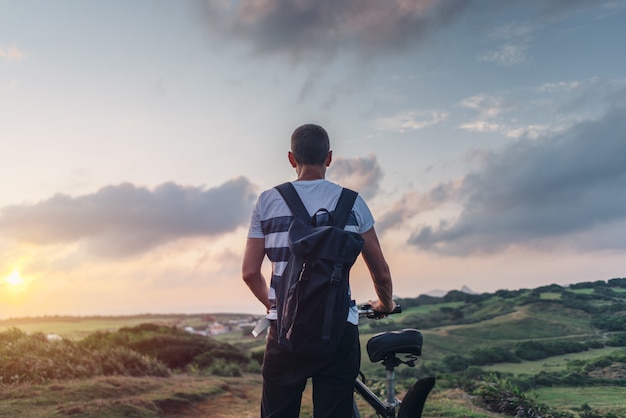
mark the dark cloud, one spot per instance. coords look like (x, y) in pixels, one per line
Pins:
(536, 191)
(361, 174)
(322, 27)
(125, 219)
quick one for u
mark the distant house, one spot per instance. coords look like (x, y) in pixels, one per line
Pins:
(192, 330)
(217, 328)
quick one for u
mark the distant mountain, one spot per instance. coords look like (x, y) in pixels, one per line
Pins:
(466, 289)
(438, 293)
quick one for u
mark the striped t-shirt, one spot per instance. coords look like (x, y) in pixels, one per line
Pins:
(271, 218)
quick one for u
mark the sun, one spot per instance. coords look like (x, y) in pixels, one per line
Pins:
(14, 278)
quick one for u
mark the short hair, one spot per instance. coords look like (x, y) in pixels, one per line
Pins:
(310, 144)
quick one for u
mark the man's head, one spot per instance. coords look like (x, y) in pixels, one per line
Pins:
(310, 145)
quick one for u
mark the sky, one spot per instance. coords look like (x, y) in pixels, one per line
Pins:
(487, 137)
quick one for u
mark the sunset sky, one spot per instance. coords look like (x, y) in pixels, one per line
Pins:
(488, 138)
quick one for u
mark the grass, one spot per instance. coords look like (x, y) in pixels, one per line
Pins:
(550, 296)
(109, 397)
(604, 397)
(586, 291)
(453, 404)
(495, 321)
(424, 309)
(76, 327)
(522, 325)
(550, 364)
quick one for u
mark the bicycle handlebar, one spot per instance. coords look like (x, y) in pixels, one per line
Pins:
(366, 311)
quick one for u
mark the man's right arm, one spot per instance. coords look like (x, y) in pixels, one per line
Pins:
(251, 269)
(379, 270)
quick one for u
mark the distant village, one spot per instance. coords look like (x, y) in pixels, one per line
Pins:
(223, 327)
(213, 327)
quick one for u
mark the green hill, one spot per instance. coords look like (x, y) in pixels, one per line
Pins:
(542, 340)
(555, 351)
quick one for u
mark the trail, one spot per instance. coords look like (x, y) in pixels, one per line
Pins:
(239, 400)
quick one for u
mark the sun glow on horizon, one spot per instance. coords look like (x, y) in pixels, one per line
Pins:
(14, 279)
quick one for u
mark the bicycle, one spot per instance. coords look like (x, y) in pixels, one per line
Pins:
(384, 348)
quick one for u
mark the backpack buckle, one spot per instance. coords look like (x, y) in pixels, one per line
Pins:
(336, 276)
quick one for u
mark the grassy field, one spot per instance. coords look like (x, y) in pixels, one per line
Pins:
(515, 327)
(76, 328)
(113, 397)
(603, 398)
(79, 327)
(451, 329)
(549, 364)
(424, 309)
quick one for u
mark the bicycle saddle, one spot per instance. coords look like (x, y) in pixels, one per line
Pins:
(406, 341)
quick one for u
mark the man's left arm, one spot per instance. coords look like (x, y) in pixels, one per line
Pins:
(251, 269)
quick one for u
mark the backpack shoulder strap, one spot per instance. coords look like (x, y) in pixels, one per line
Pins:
(344, 206)
(291, 197)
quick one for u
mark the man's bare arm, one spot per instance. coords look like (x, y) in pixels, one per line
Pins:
(251, 269)
(379, 269)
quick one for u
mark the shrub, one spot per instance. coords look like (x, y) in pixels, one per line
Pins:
(491, 355)
(224, 368)
(174, 347)
(617, 340)
(34, 359)
(502, 396)
(258, 356)
(455, 363)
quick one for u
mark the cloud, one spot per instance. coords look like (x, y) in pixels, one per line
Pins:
(412, 204)
(537, 192)
(553, 106)
(300, 28)
(124, 220)
(507, 55)
(314, 29)
(512, 41)
(11, 53)
(530, 131)
(410, 121)
(490, 109)
(487, 106)
(361, 174)
(559, 86)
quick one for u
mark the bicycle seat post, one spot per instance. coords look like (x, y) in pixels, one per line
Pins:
(390, 363)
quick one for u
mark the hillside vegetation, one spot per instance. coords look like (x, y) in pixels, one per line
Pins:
(552, 351)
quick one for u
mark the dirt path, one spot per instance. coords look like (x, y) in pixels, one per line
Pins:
(239, 400)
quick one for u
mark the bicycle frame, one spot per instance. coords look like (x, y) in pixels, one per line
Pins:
(387, 408)
(410, 407)
(384, 347)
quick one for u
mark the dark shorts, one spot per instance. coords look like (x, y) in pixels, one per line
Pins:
(285, 376)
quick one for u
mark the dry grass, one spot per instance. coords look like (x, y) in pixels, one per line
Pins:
(181, 395)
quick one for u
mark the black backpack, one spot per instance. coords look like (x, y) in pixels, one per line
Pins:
(312, 298)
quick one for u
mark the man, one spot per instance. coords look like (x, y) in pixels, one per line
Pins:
(284, 373)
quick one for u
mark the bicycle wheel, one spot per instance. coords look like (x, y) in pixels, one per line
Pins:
(413, 402)
(355, 410)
